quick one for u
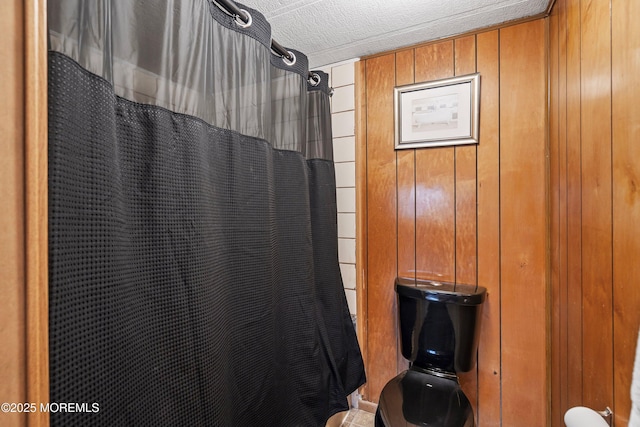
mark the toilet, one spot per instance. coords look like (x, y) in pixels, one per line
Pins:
(439, 329)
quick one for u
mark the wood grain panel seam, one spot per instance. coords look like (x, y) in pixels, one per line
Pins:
(455, 210)
(547, 260)
(475, 70)
(415, 198)
(611, 213)
(613, 203)
(455, 188)
(500, 212)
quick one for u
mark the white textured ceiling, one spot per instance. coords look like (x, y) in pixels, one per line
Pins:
(330, 31)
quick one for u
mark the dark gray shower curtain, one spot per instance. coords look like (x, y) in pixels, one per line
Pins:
(193, 245)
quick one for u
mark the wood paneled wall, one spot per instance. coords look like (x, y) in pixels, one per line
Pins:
(469, 214)
(24, 360)
(595, 202)
(13, 368)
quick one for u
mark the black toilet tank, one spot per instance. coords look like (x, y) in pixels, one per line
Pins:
(439, 323)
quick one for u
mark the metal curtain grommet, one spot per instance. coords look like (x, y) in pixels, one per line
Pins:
(288, 61)
(314, 79)
(240, 22)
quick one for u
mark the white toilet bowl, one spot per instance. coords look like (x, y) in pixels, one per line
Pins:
(581, 416)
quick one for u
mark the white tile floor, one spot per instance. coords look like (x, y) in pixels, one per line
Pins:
(358, 418)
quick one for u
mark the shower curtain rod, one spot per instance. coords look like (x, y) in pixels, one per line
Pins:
(232, 8)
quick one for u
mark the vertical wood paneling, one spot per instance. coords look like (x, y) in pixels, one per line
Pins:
(406, 194)
(465, 55)
(465, 201)
(563, 202)
(457, 206)
(406, 162)
(558, 208)
(596, 238)
(588, 212)
(554, 212)
(596, 204)
(489, 363)
(465, 177)
(523, 213)
(574, 208)
(381, 223)
(361, 210)
(435, 186)
(561, 399)
(36, 166)
(12, 261)
(626, 198)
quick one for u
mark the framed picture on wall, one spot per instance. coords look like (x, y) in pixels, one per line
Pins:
(437, 113)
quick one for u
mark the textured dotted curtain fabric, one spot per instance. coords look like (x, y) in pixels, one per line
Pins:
(194, 274)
